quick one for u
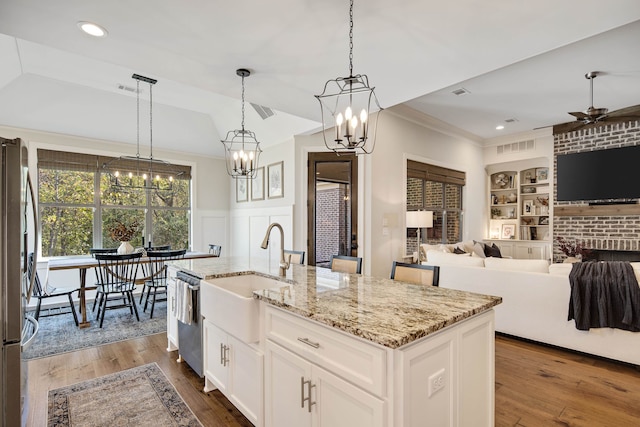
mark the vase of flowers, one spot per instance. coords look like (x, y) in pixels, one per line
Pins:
(124, 233)
(573, 250)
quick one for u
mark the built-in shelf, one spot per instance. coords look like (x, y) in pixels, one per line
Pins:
(596, 210)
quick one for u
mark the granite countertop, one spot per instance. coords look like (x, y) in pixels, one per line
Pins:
(384, 311)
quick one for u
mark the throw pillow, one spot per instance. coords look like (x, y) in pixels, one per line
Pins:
(458, 251)
(478, 249)
(492, 251)
(497, 250)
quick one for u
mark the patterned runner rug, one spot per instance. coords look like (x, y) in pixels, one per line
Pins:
(59, 334)
(141, 396)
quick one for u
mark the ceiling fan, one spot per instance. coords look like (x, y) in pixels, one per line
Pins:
(593, 116)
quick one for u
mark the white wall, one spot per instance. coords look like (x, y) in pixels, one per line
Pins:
(250, 219)
(382, 185)
(543, 141)
(399, 140)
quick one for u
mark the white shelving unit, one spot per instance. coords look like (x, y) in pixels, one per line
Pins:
(519, 213)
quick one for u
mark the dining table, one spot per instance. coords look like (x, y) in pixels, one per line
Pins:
(82, 263)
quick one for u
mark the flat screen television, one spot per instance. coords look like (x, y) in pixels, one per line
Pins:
(601, 175)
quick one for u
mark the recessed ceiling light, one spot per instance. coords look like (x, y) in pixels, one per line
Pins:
(499, 127)
(92, 29)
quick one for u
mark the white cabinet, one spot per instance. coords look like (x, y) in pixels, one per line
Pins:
(234, 368)
(216, 357)
(530, 250)
(172, 321)
(318, 376)
(300, 393)
(449, 379)
(519, 200)
(284, 393)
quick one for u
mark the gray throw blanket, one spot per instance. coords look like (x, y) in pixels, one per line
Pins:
(604, 294)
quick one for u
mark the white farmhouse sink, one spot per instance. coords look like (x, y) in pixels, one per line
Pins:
(228, 303)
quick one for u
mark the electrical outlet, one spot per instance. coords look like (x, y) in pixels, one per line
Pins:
(437, 382)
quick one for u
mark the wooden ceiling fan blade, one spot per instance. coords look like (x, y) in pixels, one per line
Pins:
(633, 111)
(579, 115)
(568, 127)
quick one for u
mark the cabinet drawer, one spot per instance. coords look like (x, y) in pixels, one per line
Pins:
(360, 363)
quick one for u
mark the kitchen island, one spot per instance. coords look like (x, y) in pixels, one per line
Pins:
(339, 349)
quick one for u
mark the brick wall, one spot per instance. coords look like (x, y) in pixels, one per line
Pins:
(597, 232)
(333, 213)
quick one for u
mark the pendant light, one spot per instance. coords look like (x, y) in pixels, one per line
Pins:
(241, 148)
(127, 173)
(345, 105)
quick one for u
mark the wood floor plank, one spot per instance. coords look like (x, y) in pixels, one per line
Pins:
(535, 385)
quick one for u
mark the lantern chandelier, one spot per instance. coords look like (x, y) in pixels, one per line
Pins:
(241, 148)
(345, 105)
(127, 173)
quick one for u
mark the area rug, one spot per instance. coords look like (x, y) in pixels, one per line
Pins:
(141, 396)
(59, 334)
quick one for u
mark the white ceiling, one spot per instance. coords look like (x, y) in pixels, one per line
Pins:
(522, 60)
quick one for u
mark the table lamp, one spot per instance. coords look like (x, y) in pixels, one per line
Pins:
(419, 219)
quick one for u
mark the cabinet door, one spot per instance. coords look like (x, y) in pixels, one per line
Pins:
(522, 251)
(283, 389)
(340, 404)
(538, 252)
(245, 383)
(216, 353)
(530, 251)
(172, 321)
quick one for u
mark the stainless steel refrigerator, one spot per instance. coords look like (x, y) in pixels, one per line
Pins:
(18, 236)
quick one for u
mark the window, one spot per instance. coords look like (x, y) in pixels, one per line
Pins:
(438, 190)
(78, 207)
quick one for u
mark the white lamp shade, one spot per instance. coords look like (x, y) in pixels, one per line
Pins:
(419, 219)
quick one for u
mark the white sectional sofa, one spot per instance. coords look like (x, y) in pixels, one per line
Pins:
(535, 302)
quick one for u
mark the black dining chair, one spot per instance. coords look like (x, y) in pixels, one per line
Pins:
(297, 257)
(156, 282)
(420, 274)
(158, 248)
(346, 264)
(93, 252)
(215, 250)
(43, 292)
(117, 275)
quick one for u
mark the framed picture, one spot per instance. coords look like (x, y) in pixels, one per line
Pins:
(257, 185)
(242, 194)
(544, 220)
(541, 174)
(275, 179)
(508, 231)
(527, 208)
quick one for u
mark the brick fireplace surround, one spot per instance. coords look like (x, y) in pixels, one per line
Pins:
(600, 229)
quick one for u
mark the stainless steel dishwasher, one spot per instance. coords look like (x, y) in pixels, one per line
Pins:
(190, 335)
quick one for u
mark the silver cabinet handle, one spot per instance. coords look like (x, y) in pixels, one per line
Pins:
(226, 355)
(309, 343)
(222, 354)
(309, 387)
(308, 398)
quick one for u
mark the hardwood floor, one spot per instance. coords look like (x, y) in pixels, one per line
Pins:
(535, 385)
(212, 408)
(542, 386)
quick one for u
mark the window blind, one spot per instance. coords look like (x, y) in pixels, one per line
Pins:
(63, 160)
(434, 173)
